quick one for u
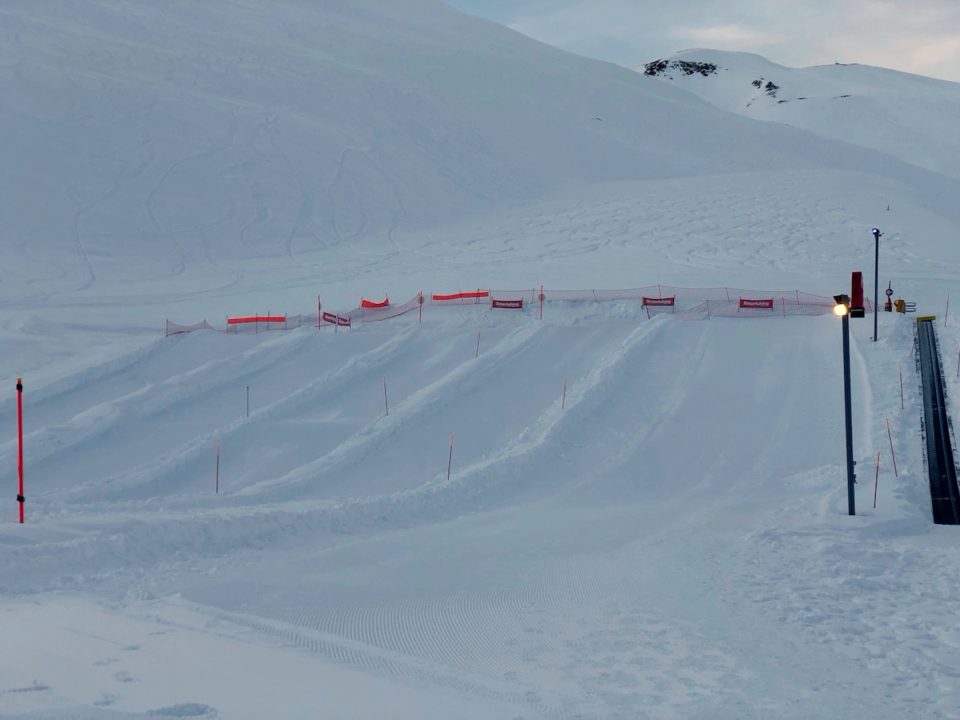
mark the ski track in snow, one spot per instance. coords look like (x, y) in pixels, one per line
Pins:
(578, 631)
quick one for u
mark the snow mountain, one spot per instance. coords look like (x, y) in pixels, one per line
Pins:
(910, 117)
(186, 132)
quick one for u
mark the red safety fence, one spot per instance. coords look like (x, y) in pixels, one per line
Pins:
(684, 303)
(474, 296)
(364, 303)
(176, 329)
(243, 319)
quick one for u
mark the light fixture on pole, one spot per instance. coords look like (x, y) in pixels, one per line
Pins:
(876, 277)
(842, 310)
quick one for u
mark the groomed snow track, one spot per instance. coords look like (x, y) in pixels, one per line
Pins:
(944, 495)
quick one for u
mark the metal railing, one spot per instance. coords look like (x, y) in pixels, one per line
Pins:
(942, 470)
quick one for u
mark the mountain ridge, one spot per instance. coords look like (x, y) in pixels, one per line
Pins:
(907, 116)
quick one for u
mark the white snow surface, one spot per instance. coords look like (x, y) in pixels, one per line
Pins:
(910, 117)
(645, 517)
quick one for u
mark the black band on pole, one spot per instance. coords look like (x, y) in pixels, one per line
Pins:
(21, 498)
(19, 386)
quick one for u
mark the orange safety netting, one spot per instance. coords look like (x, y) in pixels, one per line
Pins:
(364, 303)
(684, 303)
(241, 319)
(472, 295)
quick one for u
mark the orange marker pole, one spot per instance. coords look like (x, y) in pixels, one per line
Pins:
(450, 459)
(893, 455)
(876, 479)
(900, 370)
(20, 498)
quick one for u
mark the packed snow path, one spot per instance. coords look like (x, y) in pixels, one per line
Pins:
(582, 561)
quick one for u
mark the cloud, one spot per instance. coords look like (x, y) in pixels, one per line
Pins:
(727, 37)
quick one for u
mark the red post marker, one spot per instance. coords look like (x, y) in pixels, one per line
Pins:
(900, 369)
(450, 459)
(876, 479)
(893, 455)
(216, 486)
(20, 498)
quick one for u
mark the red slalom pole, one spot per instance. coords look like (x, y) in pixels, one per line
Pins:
(900, 369)
(892, 454)
(876, 480)
(450, 459)
(20, 498)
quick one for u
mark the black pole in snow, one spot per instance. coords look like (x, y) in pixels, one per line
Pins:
(848, 416)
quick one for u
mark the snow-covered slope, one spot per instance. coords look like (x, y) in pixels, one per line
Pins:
(910, 117)
(489, 514)
(183, 132)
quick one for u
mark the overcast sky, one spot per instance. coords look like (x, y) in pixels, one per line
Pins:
(919, 36)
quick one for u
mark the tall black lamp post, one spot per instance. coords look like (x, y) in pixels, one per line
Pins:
(876, 278)
(842, 310)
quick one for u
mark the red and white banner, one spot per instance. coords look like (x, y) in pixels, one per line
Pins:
(364, 303)
(256, 319)
(756, 303)
(659, 302)
(510, 304)
(461, 295)
(336, 319)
